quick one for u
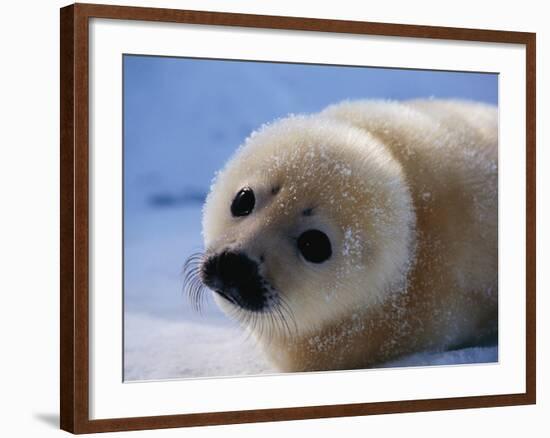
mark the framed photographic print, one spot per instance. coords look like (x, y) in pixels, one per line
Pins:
(271, 218)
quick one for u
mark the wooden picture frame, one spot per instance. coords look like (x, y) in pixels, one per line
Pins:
(75, 237)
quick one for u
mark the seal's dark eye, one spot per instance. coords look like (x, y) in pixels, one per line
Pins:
(315, 246)
(243, 204)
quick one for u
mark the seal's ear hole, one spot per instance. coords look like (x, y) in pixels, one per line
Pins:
(243, 203)
(315, 246)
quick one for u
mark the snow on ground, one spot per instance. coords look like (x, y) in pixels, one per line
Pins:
(161, 349)
(455, 357)
(183, 119)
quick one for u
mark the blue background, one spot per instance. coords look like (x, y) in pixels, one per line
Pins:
(184, 117)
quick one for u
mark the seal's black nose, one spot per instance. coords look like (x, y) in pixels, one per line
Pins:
(235, 277)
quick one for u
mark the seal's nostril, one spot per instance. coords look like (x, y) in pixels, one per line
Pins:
(209, 271)
(236, 268)
(235, 276)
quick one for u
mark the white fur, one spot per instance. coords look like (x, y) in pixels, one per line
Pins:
(377, 174)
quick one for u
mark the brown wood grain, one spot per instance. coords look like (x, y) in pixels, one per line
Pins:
(66, 219)
(531, 226)
(74, 230)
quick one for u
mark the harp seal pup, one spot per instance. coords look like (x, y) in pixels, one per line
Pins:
(368, 231)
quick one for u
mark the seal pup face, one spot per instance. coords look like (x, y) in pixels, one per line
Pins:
(310, 220)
